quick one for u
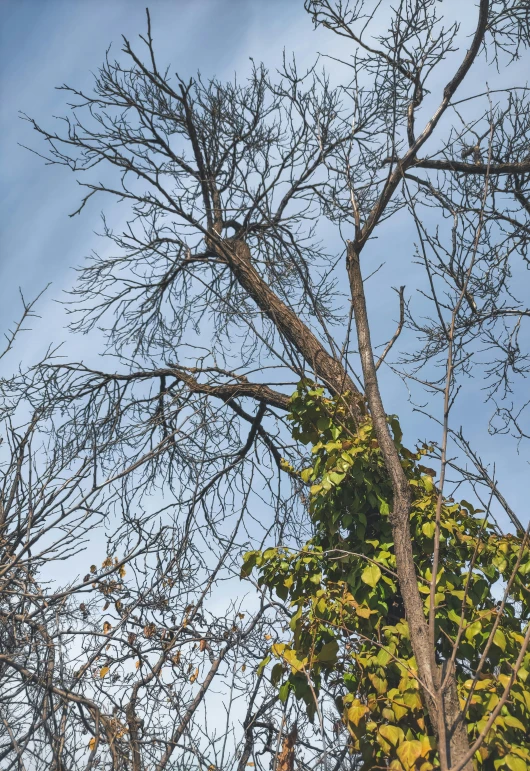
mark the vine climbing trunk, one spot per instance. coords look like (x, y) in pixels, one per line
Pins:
(443, 707)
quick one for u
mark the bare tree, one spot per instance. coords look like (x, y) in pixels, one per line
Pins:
(217, 297)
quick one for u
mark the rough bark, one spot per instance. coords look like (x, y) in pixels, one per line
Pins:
(289, 325)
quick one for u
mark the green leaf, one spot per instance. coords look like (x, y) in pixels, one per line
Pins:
(396, 428)
(427, 483)
(514, 722)
(283, 692)
(499, 640)
(515, 764)
(263, 664)
(384, 508)
(383, 657)
(472, 630)
(249, 563)
(428, 528)
(371, 575)
(380, 683)
(328, 653)
(276, 673)
(323, 423)
(412, 699)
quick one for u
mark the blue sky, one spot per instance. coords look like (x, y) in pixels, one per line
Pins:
(47, 42)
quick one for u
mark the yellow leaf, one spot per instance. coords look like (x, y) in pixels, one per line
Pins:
(363, 611)
(92, 743)
(428, 743)
(306, 474)
(409, 752)
(194, 676)
(400, 710)
(122, 571)
(267, 636)
(138, 664)
(514, 763)
(103, 671)
(286, 466)
(514, 722)
(392, 733)
(480, 685)
(292, 659)
(356, 712)
(412, 699)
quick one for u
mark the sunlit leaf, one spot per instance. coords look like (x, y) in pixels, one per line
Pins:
(499, 639)
(356, 712)
(371, 575)
(392, 734)
(408, 752)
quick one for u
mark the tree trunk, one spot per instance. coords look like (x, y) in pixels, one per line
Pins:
(443, 709)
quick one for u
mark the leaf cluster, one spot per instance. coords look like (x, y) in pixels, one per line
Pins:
(348, 630)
